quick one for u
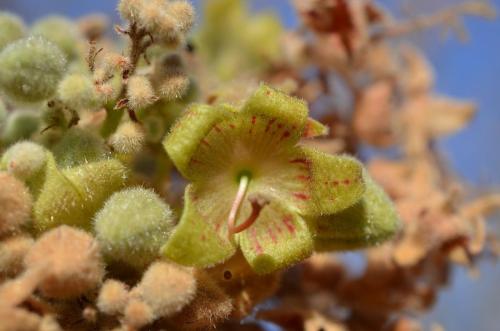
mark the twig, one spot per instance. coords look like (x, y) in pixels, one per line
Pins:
(448, 16)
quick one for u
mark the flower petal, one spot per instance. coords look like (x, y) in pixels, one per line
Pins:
(277, 239)
(198, 240)
(278, 112)
(187, 134)
(336, 181)
(314, 128)
(369, 222)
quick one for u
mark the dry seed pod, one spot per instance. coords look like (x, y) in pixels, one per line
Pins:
(71, 260)
(113, 297)
(15, 203)
(166, 288)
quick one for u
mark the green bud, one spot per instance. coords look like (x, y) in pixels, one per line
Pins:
(132, 226)
(20, 124)
(30, 69)
(11, 28)
(24, 160)
(79, 147)
(60, 31)
(78, 91)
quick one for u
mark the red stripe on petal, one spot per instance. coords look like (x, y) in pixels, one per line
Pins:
(257, 246)
(301, 196)
(272, 235)
(287, 220)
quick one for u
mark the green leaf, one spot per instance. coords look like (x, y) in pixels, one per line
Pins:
(59, 201)
(277, 239)
(336, 181)
(72, 196)
(197, 241)
(96, 181)
(369, 222)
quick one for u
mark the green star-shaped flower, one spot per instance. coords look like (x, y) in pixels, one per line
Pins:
(252, 184)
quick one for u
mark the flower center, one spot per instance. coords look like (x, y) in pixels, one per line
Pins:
(244, 180)
(257, 202)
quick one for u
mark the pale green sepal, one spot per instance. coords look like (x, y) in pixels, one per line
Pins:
(369, 222)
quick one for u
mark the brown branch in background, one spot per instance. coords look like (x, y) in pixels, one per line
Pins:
(92, 55)
(451, 17)
(138, 48)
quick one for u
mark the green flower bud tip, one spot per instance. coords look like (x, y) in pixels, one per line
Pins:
(78, 146)
(20, 124)
(30, 69)
(24, 160)
(369, 222)
(72, 196)
(59, 30)
(11, 28)
(78, 91)
(15, 203)
(252, 186)
(132, 226)
(70, 261)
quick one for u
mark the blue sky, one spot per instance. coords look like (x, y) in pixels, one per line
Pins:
(468, 71)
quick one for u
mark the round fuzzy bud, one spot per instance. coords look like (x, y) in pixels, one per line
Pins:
(30, 69)
(137, 314)
(129, 9)
(184, 13)
(140, 92)
(18, 319)
(128, 139)
(166, 288)
(113, 297)
(12, 252)
(78, 91)
(59, 30)
(70, 260)
(15, 203)
(11, 28)
(132, 226)
(174, 86)
(79, 147)
(24, 159)
(20, 124)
